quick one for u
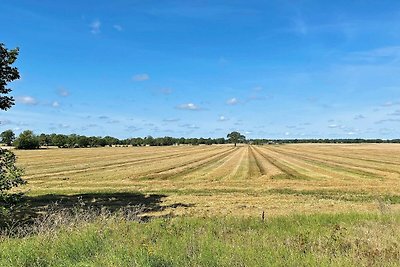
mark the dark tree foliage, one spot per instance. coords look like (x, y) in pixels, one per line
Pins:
(321, 141)
(236, 137)
(81, 141)
(7, 137)
(27, 140)
(10, 175)
(8, 73)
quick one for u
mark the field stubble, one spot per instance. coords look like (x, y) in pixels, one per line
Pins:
(224, 180)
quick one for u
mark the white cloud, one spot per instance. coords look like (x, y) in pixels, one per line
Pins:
(391, 104)
(222, 118)
(63, 125)
(55, 104)
(232, 101)
(118, 27)
(189, 106)
(333, 126)
(27, 100)
(95, 27)
(63, 92)
(141, 77)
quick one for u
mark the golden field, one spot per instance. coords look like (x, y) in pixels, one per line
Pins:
(222, 180)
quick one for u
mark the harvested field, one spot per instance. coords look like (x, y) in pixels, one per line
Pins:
(222, 180)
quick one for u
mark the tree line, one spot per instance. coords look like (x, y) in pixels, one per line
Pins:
(323, 141)
(28, 140)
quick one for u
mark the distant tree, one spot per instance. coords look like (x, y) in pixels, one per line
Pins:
(220, 141)
(110, 140)
(7, 137)
(59, 140)
(102, 142)
(149, 141)
(236, 137)
(44, 140)
(27, 140)
(71, 140)
(10, 175)
(135, 141)
(83, 141)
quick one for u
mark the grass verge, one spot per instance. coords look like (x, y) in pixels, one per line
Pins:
(105, 239)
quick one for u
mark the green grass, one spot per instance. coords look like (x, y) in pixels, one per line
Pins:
(315, 240)
(340, 195)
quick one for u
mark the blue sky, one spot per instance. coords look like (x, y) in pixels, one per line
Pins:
(270, 69)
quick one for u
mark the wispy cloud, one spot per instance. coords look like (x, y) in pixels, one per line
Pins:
(133, 128)
(188, 106)
(222, 118)
(165, 91)
(256, 94)
(387, 120)
(171, 120)
(359, 117)
(390, 104)
(232, 101)
(332, 126)
(63, 125)
(27, 100)
(112, 121)
(388, 53)
(5, 122)
(189, 126)
(395, 113)
(118, 27)
(300, 26)
(95, 26)
(223, 61)
(55, 104)
(63, 92)
(141, 77)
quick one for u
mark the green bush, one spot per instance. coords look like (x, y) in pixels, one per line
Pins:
(27, 140)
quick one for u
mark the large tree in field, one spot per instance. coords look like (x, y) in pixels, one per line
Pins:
(10, 175)
(236, 137)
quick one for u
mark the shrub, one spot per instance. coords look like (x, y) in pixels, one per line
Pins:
(27, 140)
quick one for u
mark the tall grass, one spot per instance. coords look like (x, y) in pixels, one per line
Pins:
(101, 238)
